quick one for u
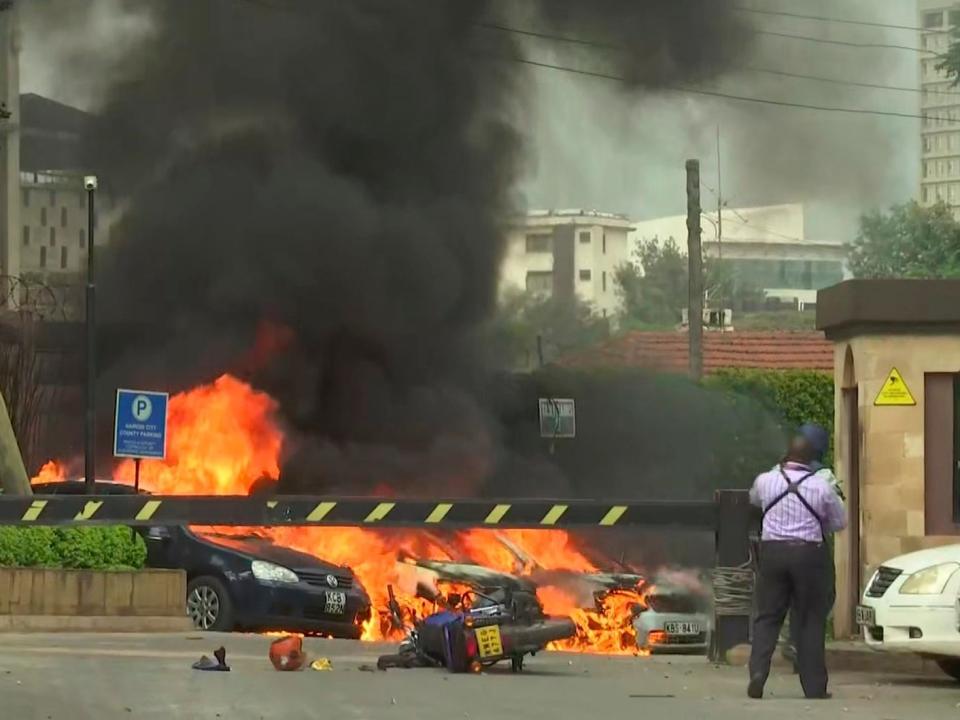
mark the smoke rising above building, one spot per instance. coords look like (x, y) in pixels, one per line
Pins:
(333, 175)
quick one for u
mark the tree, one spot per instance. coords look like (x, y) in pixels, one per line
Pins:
(529, 325)
(950, 61)
(653, 288)
(909, 242)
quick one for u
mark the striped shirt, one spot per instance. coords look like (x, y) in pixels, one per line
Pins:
(790, 519)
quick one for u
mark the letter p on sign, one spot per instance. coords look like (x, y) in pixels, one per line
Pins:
(142, 408)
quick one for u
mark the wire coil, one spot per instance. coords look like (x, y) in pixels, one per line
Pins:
(733, 589)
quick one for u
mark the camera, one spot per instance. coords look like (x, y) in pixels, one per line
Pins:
(90, 182)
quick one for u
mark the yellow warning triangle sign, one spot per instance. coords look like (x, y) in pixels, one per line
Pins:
(894, 391)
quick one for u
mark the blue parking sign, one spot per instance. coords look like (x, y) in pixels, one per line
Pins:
(140, 424)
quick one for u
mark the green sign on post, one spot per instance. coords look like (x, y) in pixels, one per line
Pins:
(558, 418)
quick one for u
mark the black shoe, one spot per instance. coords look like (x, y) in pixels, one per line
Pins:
(755, 688)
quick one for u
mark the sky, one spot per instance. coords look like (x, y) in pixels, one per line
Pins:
(592, 144)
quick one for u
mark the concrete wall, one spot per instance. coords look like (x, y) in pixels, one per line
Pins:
(891, 453)
(92, 600)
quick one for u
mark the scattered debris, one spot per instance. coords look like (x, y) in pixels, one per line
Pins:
(367, 667)
(286, 653)
(651, 695)
(393, 701)
(218, 664)
(321, 664)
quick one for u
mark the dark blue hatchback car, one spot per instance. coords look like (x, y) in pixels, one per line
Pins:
(247, 582)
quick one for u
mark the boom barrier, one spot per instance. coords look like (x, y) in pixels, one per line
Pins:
(318, 510)
(730, 517)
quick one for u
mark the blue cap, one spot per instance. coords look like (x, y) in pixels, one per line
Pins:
(817, 436)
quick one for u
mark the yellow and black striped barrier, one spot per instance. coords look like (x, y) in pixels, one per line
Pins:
(380, 512)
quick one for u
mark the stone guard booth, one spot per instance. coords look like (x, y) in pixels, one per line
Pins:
(896, 448)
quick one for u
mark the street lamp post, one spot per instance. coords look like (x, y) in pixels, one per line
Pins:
(89, 444)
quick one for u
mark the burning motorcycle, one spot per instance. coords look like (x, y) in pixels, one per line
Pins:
(476, 630)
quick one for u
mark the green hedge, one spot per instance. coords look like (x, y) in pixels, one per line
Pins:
(94, 548)
(796, 396)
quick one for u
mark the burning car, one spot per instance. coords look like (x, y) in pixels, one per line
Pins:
(246, 581)
(675, 618)
(600, 605)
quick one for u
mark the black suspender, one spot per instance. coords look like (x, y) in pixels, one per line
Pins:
(793, 488)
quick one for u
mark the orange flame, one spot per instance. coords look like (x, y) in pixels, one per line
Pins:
(223, 437)
(52, 471)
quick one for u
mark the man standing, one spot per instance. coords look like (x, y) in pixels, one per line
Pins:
(799, 510)
(819, 440)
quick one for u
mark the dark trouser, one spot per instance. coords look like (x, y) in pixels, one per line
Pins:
(831, 598)
(792, 574)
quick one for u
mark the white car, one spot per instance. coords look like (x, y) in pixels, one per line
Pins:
(910, 605)
(675, 620)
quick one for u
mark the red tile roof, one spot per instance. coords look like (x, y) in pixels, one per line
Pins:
(667, 351)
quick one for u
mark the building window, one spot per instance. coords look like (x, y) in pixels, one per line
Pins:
(585, 275)
(43, 257)
(540, 282)
(926, 196)
(585, 238)
(26, 235)
(538, 243)
(604, 242)
(83, 238)
(26, 198)
(53, 198)
(63, 257)
(953, 18)
(933, 19)
(603, 280)
(53, 237)
(43, 216)
(63, 216)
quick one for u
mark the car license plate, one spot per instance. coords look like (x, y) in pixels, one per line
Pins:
(336, 603)
(866, 616)
(682, 628)
(489, 643)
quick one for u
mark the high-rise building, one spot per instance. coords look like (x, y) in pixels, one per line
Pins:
(940, 107)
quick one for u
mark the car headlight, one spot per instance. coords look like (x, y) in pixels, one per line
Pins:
(929, 581)
(263, 570)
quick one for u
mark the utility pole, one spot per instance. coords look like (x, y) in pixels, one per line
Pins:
(90, 424)
(719, 202)
(695, 271)
(720, 230)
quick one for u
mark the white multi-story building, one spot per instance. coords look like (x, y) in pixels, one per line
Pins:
(567, 253)
(940, 107)
(766, 248)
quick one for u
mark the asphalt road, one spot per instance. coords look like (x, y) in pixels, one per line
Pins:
(75, 677)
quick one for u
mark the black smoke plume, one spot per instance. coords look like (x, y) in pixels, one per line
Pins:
(337, 172)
